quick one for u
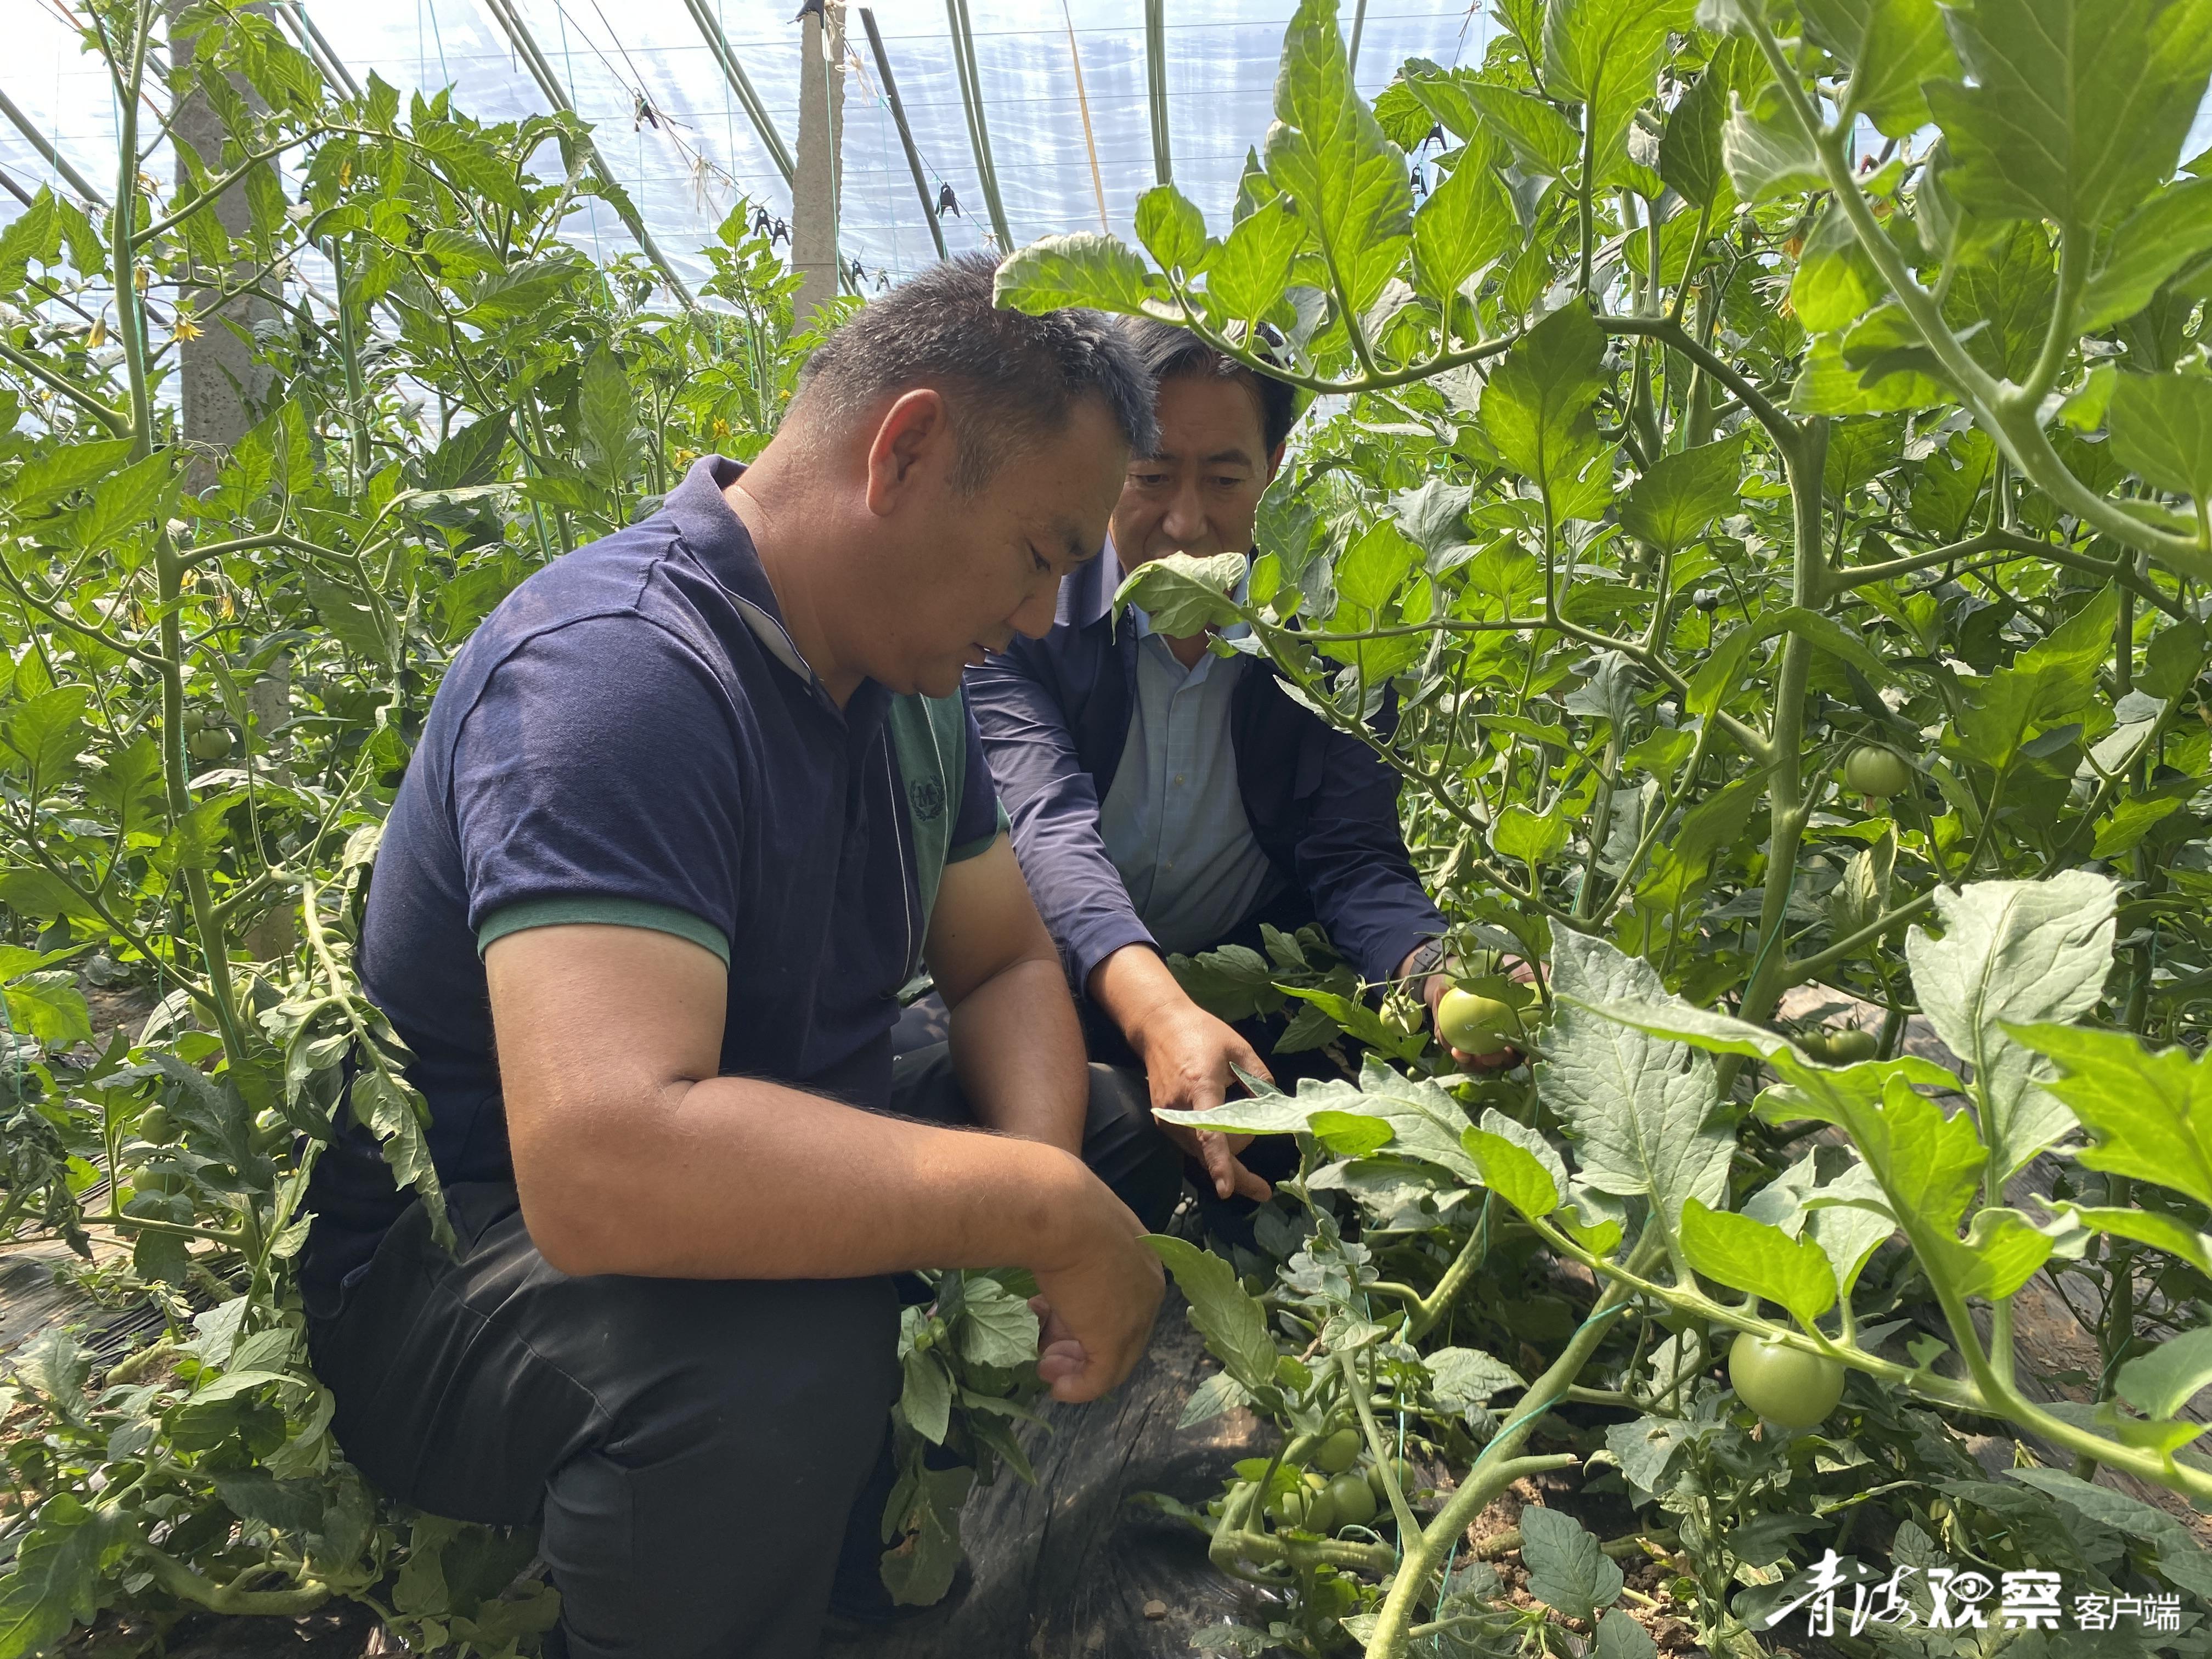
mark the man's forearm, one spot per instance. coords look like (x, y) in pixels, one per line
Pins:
(1018, 1051)
(1132, 986)
(738, 1178)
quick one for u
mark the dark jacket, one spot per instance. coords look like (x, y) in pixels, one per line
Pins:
(1054, 714)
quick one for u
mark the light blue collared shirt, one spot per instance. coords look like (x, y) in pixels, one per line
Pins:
(1174, 822)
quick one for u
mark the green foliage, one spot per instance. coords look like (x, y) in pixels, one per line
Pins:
(969, 1363)
(217, 661)
(1684, 449)
(1748, 447)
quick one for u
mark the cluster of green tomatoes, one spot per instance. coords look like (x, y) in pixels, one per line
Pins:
(1343, 1489)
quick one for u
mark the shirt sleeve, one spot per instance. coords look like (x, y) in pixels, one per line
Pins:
(598, 778)
(982, 819)
(1054, 804)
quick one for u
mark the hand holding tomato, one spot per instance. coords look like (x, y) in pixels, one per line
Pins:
(1481, 1031)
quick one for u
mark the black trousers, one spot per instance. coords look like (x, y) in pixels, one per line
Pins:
(690, 1449)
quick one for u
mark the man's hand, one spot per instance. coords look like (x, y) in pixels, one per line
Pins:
(1186, 1053)
(1097, 1312)
(1432, 993)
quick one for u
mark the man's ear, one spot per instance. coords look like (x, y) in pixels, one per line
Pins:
(1275, 460)
(913, 449)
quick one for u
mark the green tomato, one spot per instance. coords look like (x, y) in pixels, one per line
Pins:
(1397, 1467)
(209, 743)
(1851, 1045)
(155, 1125)
(1339, 1452)
(1321, 1507)
(1784, 1385)
(190, 721)
(1878, 772)
(1352, 1499)
(1289, 1508)
(1477, 1025)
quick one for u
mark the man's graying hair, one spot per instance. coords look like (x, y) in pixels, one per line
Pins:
(1012, 380)
(1169, 353)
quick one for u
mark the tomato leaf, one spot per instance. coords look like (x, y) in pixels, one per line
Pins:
(1543, 140)
(1245, 280)
(2161, 428)
(1327, 152)
(1893, 48)
(1566, 1568)
(926, 1396)
(2161, 1383)
(1604, 55)
(1467, 222)
(1639, 1107)
(1235, 1325)
(2182, 1560)
(2154, 242)
(1182, 595)
(46, 734)
(1747, 1254)
(2148, 1114)
(1460, 1377)
(2014, 953)
(1539, 404)
(1080, 268)
(58, 1579)
(995, 1326)
(50, 1007)
(1514, 1170)
(1677, 499)
(1171, 229)
(2074, 109)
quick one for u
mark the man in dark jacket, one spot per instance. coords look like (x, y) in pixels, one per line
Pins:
(1167, 800)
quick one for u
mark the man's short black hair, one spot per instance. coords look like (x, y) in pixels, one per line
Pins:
(1012, 380)
(1169, 353)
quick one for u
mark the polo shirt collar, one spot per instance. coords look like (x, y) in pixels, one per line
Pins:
(719, 537)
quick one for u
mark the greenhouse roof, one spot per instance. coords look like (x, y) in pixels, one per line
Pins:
(676, 135)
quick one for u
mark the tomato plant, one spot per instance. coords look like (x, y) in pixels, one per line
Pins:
(1728, 404)
(1722, 402)
(217, 658)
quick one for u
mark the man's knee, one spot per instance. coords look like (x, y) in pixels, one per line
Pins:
(706, 1518)
(1124, 1146)
(795, 1362)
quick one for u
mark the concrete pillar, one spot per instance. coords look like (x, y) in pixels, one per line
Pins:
(818, 180)
(222, 392)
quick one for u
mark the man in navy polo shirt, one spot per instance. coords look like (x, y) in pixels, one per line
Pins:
(683, 819)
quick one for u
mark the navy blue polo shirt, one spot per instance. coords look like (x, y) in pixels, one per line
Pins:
(631, 737)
